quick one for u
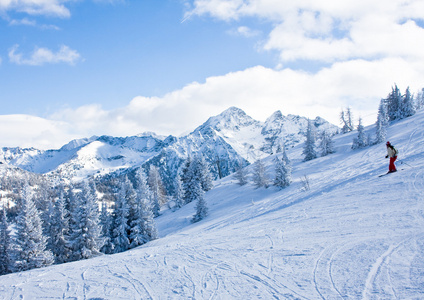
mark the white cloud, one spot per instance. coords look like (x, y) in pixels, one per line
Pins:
(55, 8)
(259, 91)
(330, 31)
(33, 23)
(30, 131)
(36, 7)
(41, 56)
(245, 32)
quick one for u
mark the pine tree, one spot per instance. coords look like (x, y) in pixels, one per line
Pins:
(201, 207)
(408, 108)
(241, 174)
(106, 223)
(58, 230)
(394, 104)
(326, 144)
(143, 228)
(179, 192)
(309, 147)
(186, 179)
(382, 123)
(201, 173)
(157, 189)
(5, 261)
(121, 211)
(419, 100)
(282, 173)
(259, 177)
(346, 120)
(30, 243)
(349, 117)
(361, 140)
(85, 238)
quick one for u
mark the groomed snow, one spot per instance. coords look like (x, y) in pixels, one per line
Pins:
(352, 235)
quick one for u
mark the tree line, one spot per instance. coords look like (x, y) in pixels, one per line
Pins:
(64, 223)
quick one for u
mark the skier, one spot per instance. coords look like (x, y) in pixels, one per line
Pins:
(392, 153)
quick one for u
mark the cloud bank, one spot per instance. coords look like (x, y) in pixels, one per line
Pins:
(41, 56)
(259, 91)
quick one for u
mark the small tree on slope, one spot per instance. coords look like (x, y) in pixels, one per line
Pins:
(309, 147)
(241, 174)
(382, 123)
(408, 108)
(179, 192)
(326, 143)
(259, 177)
(201, 208)
(282, 173)
(361, 140)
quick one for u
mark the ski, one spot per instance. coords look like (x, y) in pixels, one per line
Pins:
(389, 173)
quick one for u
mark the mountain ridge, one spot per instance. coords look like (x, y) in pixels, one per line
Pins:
(227, 139)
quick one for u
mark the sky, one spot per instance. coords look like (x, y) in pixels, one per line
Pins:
(76, 68)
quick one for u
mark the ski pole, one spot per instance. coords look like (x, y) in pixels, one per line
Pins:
(402, 162)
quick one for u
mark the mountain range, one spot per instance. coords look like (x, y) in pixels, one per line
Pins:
(227, 140)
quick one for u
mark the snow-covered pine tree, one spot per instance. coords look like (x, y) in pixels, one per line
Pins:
(346, 120)
(309, 147)
(361, 140)
(202, 173)
(157, 189)
(120, 227)
(326, 143)
(343, 122)
(179, 192)
(349, 117)
(241, 174)
(58, 229)
(382, 123)
(186, 178)
(106, 223)
(201, 207)
(85, 238)
(5, 261)
(282, 173)
(143, 227)
(394, 104)
(408, 106)
(419, 100)
(260, 179)
(29, 242)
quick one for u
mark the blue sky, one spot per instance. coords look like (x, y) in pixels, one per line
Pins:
(72, 69)
(125, 49)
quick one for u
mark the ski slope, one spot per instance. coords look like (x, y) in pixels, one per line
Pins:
(353, 235)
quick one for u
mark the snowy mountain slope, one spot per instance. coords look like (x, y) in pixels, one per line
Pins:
(224, 140)
(352, 235)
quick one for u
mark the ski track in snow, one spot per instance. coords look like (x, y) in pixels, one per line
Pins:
(351, 236)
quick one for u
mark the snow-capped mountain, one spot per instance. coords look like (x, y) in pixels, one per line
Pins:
(226, 140)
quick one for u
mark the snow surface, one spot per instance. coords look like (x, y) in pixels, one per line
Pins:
(352, 235)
